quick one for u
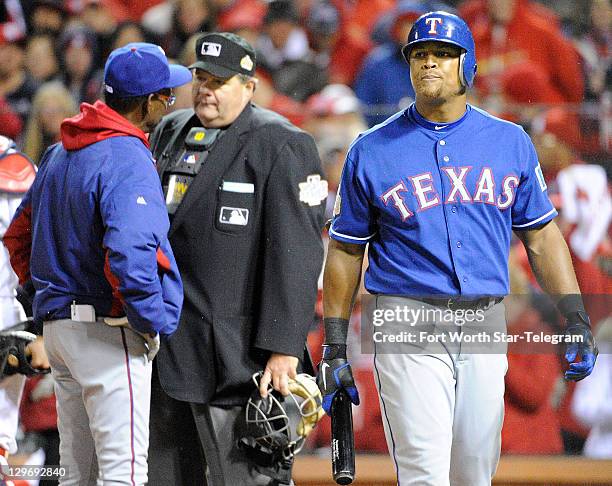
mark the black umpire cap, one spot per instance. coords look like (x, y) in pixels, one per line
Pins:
(224, 55)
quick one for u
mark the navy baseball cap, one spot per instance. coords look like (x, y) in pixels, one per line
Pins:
(224, 54)
(139, 69)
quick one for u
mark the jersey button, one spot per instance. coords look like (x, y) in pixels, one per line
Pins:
(458, 244)
(442, 142)
(446, 159)
(454, 209)
(465, 279)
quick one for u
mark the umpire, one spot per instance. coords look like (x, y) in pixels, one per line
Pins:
(245, 193)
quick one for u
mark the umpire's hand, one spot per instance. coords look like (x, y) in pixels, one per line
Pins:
(279, 370)
(335, 373)
(578, 325)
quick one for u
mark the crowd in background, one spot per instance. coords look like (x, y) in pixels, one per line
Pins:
(334, 68)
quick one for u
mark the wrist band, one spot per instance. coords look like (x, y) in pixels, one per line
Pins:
(570, 304)
(336, 330)
(334, 351)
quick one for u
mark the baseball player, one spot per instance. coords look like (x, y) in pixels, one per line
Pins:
(16, 175)
(91, 234)
(436, 191)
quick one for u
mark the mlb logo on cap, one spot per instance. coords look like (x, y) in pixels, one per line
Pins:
(224, 55)
(139, 69)
(211, 49)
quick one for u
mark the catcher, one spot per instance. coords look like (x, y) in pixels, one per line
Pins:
(21, 352)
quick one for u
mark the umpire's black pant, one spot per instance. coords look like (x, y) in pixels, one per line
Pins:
(192, 444)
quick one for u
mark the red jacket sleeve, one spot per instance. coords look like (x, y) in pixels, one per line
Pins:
(18, 240)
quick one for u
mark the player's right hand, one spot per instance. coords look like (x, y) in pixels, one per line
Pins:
(334, 374)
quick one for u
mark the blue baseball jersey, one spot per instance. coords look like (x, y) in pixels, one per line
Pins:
(438, 202)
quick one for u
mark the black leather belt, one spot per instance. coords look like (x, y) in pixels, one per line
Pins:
(57, 314)
(463, 304)
(61, 313)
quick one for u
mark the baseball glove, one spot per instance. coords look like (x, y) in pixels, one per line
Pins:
(13, 354)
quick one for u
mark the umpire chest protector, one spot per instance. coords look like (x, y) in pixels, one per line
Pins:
(186, 164)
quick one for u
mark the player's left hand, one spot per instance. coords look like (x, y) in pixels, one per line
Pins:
(153, 344)
(152, 339)
(279, 369)
(585, 348)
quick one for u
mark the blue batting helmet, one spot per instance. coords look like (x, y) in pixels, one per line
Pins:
(446, 27)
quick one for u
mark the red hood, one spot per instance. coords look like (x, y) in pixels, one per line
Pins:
(95, 123)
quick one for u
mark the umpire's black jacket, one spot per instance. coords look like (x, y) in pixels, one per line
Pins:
(249, 290)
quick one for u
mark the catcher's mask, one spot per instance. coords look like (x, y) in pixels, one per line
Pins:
(277, 426)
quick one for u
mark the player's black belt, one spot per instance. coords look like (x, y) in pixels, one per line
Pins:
(65, 313)
(463, 304)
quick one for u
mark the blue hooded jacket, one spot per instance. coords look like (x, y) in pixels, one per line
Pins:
(93, 227)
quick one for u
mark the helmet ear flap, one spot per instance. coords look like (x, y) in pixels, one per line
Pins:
(467, 69)
(406, 53)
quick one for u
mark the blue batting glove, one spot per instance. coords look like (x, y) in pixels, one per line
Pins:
(334, 374)
(579, 325)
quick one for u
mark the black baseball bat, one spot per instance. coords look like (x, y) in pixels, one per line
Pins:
(342, 440)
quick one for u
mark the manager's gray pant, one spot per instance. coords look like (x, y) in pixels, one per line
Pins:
(102, 384)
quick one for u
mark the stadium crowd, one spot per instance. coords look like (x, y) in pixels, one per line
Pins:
(334, 68)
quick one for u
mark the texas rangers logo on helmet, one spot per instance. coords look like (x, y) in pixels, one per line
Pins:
(433, 21)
